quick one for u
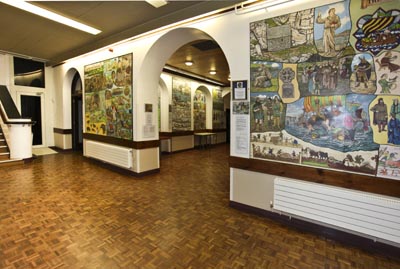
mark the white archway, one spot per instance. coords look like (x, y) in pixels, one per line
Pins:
(153, 62)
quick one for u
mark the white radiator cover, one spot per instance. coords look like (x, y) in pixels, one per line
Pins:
(112, 154)
(365, 213)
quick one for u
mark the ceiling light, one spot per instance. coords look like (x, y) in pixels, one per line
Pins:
(213, 72)
(251, 5)
(189, 63)
(51, 15)
(157, 3)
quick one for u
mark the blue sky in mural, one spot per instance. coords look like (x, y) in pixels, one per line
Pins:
(357, 59)
(342, 10)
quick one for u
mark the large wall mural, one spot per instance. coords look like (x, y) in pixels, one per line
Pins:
(108, 97)
(181, 105)
(218, 109)
(199, 110)
(325, 88)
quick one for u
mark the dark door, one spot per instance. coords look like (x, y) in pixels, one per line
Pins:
(31, 108)
(77, 125)
(77, 116)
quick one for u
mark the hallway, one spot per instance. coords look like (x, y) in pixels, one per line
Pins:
(64, 211)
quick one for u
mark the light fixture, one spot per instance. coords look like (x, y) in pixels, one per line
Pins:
(213, 72)
(51, 15)
(157, 3)
(189, 63)
(250, 6)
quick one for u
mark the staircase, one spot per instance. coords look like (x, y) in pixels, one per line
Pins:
(5, 153)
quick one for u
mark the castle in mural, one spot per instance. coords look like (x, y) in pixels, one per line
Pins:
(317, 99)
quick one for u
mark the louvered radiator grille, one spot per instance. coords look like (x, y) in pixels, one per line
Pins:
(116, 155)
(369, 214)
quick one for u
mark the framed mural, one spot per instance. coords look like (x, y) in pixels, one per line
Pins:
(108, 97)
(199, 110)
(218, 109)
(324, 88)
(181, 105)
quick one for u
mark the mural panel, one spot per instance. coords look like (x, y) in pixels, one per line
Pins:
(108, 97)
(181, 105)
(324, 88)
(199, 110)
(218, 109)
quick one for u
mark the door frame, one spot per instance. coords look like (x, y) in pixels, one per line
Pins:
(42, 109)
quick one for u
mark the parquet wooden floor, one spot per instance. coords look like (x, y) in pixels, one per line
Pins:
(64, 211)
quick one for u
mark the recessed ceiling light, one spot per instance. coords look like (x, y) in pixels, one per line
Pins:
(51, 16)
(157, 3)
(213, 72)
(189, 63)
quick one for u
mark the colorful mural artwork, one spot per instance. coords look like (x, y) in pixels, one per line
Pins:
(108, 97)
(199, 110)
(181, 105)
(324, 88)
(218, 109)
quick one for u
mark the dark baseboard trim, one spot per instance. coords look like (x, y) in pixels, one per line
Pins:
(62, 131)
(366, 183)
(122, 142)
(343, 237)
(179, 133)
(121, 170)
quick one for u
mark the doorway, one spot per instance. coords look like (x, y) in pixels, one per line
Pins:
(31, 107)
(76, 109)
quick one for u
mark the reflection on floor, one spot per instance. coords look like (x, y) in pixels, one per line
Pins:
(64, 211)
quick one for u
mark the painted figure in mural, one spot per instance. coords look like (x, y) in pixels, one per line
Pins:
(263, 80)
(333, 78)
(331, 23)
(394, 130)
(380, 115)
(363, 72)
(355, 121)
(277, 112)
(387, 62)
(387, 84)
(395, 108)
(258, 113)
(270, 111)
(312, 83)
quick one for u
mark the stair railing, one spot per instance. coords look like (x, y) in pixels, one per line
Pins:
(17, 130)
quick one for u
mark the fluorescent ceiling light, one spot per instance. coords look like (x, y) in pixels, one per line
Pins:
(50, 15)
(213, 72)
(250, 6)
(157, 3)
(189, 63)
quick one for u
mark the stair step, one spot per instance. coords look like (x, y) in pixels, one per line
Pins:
(5, 157)
(11, 162)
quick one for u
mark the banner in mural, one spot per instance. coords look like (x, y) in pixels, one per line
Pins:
(181, 105)
(108, 97)
(325, 88)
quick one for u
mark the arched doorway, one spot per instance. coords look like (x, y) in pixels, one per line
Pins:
(77, 114)
(156, 62)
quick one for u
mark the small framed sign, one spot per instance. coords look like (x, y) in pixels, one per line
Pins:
(239, 90)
